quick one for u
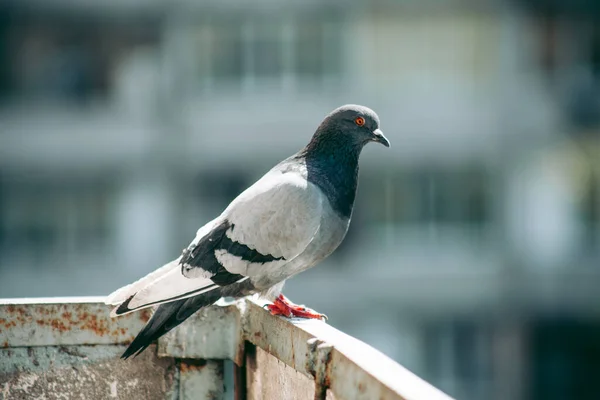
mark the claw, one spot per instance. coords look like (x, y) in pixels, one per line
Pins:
(282, 306)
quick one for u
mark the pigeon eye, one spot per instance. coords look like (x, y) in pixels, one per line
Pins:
(360, 121)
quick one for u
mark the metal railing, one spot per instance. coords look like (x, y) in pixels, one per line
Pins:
(68, 348)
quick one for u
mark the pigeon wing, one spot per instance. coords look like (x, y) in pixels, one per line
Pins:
(264, 228)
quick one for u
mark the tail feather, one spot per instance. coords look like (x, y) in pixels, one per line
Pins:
(125, 306)
(166, 317)
(122, 294)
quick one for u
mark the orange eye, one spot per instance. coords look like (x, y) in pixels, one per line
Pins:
(360, 121)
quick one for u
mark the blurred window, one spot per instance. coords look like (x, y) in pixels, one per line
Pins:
(266, 46)
(425, 196)
(40, 220)
(220, 186)
(65, 56)
(589, 210)
(254, 50)
(226, 51)
(568, 53)
(458, 358)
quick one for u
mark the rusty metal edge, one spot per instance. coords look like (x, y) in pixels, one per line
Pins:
(52, 300)
(60, 321)
(353, 369)
(339, 362)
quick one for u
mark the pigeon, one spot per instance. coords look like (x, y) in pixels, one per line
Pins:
(292, 218)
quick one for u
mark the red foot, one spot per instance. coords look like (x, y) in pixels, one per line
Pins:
(283, 306)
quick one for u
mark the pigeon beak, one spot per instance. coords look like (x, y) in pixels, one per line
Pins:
(380, 138)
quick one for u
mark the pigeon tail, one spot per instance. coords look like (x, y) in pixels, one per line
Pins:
(168, 316)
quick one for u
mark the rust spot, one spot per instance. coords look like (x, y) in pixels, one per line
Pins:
(361, 387)
(257, 335)
(64, 318)
(145, 315)
(191, 365)
(18, 315)
(7, 324)
(42, 310)
(91, 322)
(119, 332)
(59, 325)
(5, 344)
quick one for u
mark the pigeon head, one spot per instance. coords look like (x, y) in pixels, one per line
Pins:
(350, 126)
(331, 157)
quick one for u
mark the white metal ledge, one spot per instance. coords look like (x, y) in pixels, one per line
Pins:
(52, 346)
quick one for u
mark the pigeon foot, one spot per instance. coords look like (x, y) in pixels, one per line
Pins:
(283, 306)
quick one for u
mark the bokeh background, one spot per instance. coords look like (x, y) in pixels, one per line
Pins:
(474, 254)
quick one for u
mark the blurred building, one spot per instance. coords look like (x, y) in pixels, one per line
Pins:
(474, 251)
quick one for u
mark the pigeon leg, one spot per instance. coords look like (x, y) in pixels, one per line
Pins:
(283, 306)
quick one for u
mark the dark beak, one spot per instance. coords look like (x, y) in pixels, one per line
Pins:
(379, 138)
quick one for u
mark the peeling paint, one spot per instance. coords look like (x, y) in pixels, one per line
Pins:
(24, 382)
(5, 390)
(201, 379)
(99, 374)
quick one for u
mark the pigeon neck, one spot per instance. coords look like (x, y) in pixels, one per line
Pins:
(333, 167)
